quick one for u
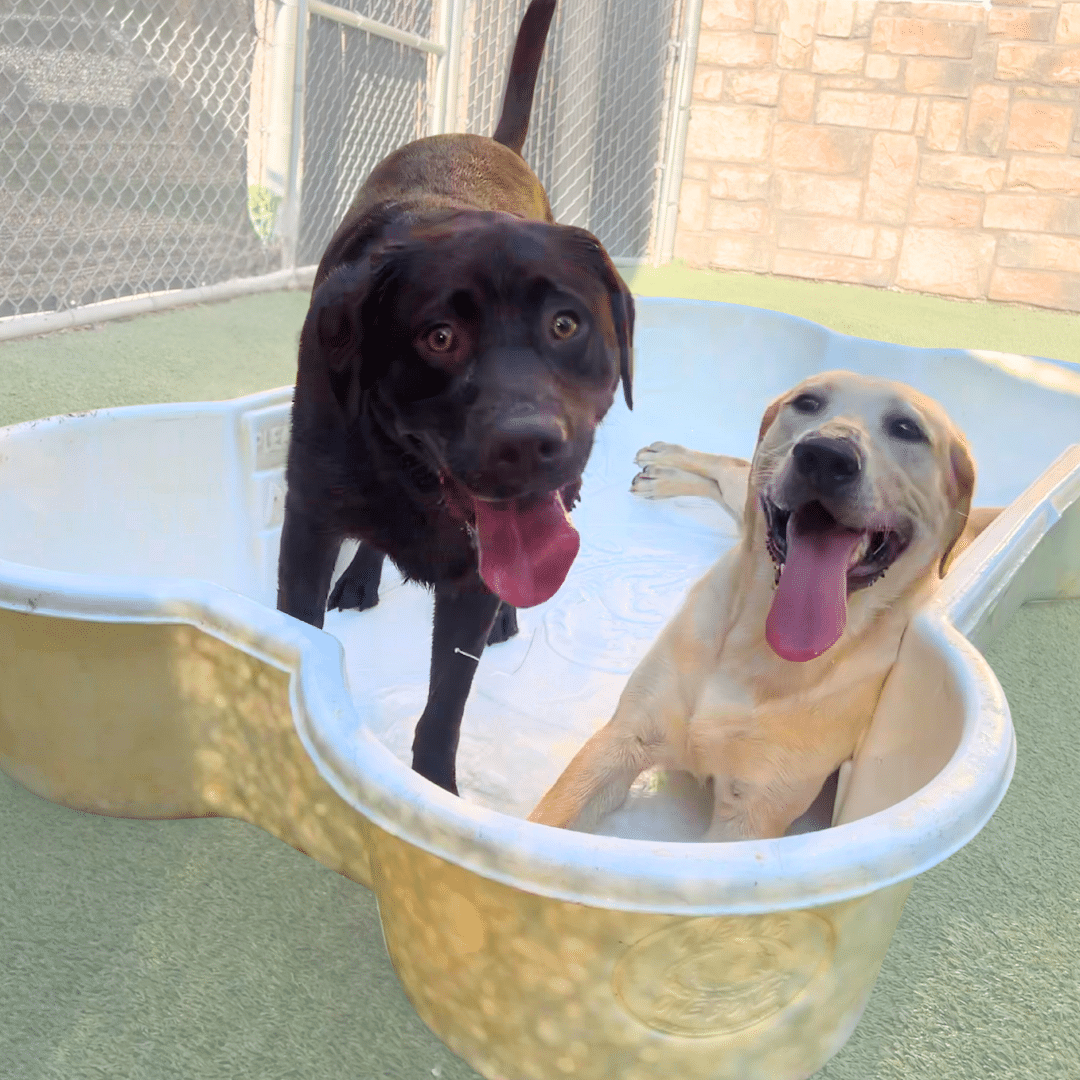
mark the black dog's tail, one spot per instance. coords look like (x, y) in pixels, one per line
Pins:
(513, 123)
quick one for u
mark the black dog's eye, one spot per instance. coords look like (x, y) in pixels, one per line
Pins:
(441, 338)
(564, 325)
(807, 403)
(903, 427)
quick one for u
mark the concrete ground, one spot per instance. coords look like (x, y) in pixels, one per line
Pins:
(207, 950)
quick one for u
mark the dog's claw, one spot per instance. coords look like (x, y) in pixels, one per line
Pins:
(358, 587)
(643, 484)
(351, 595)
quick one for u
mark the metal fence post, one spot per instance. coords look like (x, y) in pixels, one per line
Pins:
(676, 148)
(447, 81)
(289, 218)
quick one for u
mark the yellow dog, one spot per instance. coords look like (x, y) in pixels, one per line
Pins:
(857, 499)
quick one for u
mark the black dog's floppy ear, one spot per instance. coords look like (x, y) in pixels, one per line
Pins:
(622, 314)
(356, 236)
(357, 264)
(332, 335)
(620, 300)
(624, 330)
(335, 347)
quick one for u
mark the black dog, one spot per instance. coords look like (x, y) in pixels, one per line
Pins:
(458, 354)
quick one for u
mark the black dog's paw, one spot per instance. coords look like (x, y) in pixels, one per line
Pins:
(438, 772)
(353, 594)
(505, 626)
(358, 587)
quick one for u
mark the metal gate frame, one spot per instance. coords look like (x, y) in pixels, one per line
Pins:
(684, 42)
(443, 50)
(447, 106)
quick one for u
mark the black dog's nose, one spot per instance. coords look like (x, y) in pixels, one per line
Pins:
(827, 464)
(523, 447)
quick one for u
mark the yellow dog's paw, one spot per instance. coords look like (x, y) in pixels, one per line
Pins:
(655, 453)
(643, 484)
(657, 482)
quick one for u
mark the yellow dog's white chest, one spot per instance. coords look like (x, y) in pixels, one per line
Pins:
(729, 733)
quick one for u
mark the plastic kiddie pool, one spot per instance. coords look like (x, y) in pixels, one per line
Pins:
(144, 672)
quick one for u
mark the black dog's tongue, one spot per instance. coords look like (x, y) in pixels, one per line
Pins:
(526, 548)
(809, 608)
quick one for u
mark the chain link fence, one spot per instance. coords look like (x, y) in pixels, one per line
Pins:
(148, 145)
(600, 115)
(364, 96)
(123, 133)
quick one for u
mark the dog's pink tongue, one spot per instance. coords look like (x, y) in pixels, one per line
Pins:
(525, 553)
(809, 608)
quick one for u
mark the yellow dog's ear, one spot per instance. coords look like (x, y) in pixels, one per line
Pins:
(770, 416)
(961, 487)
(766, 423)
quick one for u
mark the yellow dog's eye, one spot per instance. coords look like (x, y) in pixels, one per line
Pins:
(564, 325)
(807, 403)
(904, 428)
(441, 339)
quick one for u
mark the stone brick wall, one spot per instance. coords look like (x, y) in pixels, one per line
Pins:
(933, 147)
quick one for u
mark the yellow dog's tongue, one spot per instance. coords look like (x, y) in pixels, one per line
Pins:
(525, 552)
(809, 608)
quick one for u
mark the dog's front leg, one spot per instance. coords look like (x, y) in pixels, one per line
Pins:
(505, 625)
(305, 567)
(745, 810)
(668, 471)
(637, 737)
(596, 781)
(464, 613)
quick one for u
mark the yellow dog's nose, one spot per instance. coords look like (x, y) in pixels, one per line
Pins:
(827, 464)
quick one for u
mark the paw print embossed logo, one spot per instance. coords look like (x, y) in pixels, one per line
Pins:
(718, 976)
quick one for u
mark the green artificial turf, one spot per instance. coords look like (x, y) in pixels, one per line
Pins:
(882, 314)
(201, 353)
